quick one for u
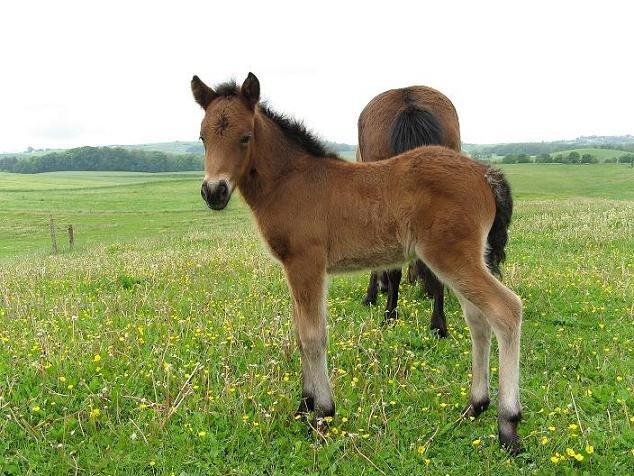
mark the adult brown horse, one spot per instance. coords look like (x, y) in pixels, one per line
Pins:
(394, 122)
(321, 215)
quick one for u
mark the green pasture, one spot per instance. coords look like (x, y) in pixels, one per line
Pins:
(163, 343)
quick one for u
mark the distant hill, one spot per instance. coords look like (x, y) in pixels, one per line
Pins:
(187, 147)
(601, 147)
(619, 143)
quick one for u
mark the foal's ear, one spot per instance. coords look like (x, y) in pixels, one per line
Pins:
(203, 94)
(251, 90)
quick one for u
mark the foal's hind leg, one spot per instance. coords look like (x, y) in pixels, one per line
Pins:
(393, 283)
(480, 348)
(502, 310)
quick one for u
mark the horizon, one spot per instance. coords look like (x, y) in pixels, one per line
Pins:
(527, 73)
(183, 141)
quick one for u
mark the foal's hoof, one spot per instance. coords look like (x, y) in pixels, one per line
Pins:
(306, 405)
(474, 409)
(512, 444)
(507, 432)
(369, 300)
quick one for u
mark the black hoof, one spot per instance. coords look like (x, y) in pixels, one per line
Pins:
(306, 405)
(440, 332)
(474, 409)
(321, 421)
(369, 300)
(439, 327)
(511, 443)
(507, 432)
(390, 316)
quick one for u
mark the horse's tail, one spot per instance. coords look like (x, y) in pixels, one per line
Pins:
(498, 234)
(413, 127)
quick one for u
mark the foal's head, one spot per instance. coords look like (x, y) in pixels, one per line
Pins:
(227, 133)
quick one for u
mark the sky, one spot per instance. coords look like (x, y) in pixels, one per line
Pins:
(99, 73)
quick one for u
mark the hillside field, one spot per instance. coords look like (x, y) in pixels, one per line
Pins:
(163, 343)
(601, 154)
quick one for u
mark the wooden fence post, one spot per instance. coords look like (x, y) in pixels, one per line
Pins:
(53, 237)
(71, 236)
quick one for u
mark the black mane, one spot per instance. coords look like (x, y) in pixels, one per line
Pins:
(293, 129)
(297, 132)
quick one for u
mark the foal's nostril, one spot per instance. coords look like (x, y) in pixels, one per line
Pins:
(204, 191)
(223, 190)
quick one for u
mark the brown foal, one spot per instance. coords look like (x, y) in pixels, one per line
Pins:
(319, 214)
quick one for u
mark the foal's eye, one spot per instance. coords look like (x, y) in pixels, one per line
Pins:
(202, 139)
(244, 140)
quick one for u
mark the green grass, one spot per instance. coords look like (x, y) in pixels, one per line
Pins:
(106, 207)
(164, 345)
(556, 181)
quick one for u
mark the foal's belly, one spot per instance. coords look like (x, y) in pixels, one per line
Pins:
(368, 259)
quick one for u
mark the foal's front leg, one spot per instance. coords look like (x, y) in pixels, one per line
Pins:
(308, 286)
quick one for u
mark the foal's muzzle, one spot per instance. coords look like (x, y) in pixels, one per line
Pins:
(216, 194)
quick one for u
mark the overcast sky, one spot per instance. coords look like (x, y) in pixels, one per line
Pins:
(96, 73)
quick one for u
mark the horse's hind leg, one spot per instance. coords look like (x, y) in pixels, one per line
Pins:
(383, 281)
(394, 281)
(438, 322)
(435, 290)
(371, 293)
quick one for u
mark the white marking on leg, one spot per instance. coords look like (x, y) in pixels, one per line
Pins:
(480, 349)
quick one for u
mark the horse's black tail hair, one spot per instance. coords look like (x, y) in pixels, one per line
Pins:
(414, 127)
(498, 234)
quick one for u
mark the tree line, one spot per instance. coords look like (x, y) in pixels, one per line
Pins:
(570, 158)
(538, 148)
(103, 159)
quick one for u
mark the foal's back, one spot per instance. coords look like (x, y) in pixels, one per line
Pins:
(379, 118)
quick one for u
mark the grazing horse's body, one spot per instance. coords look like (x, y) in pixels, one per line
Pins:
(394, 122)
(320, 215)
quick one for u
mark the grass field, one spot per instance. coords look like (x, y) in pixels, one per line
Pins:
(163, 343)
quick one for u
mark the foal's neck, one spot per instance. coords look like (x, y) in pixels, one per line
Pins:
(273, 159)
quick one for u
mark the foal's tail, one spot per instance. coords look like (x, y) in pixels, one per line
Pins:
(498, 234)
(413, 127)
